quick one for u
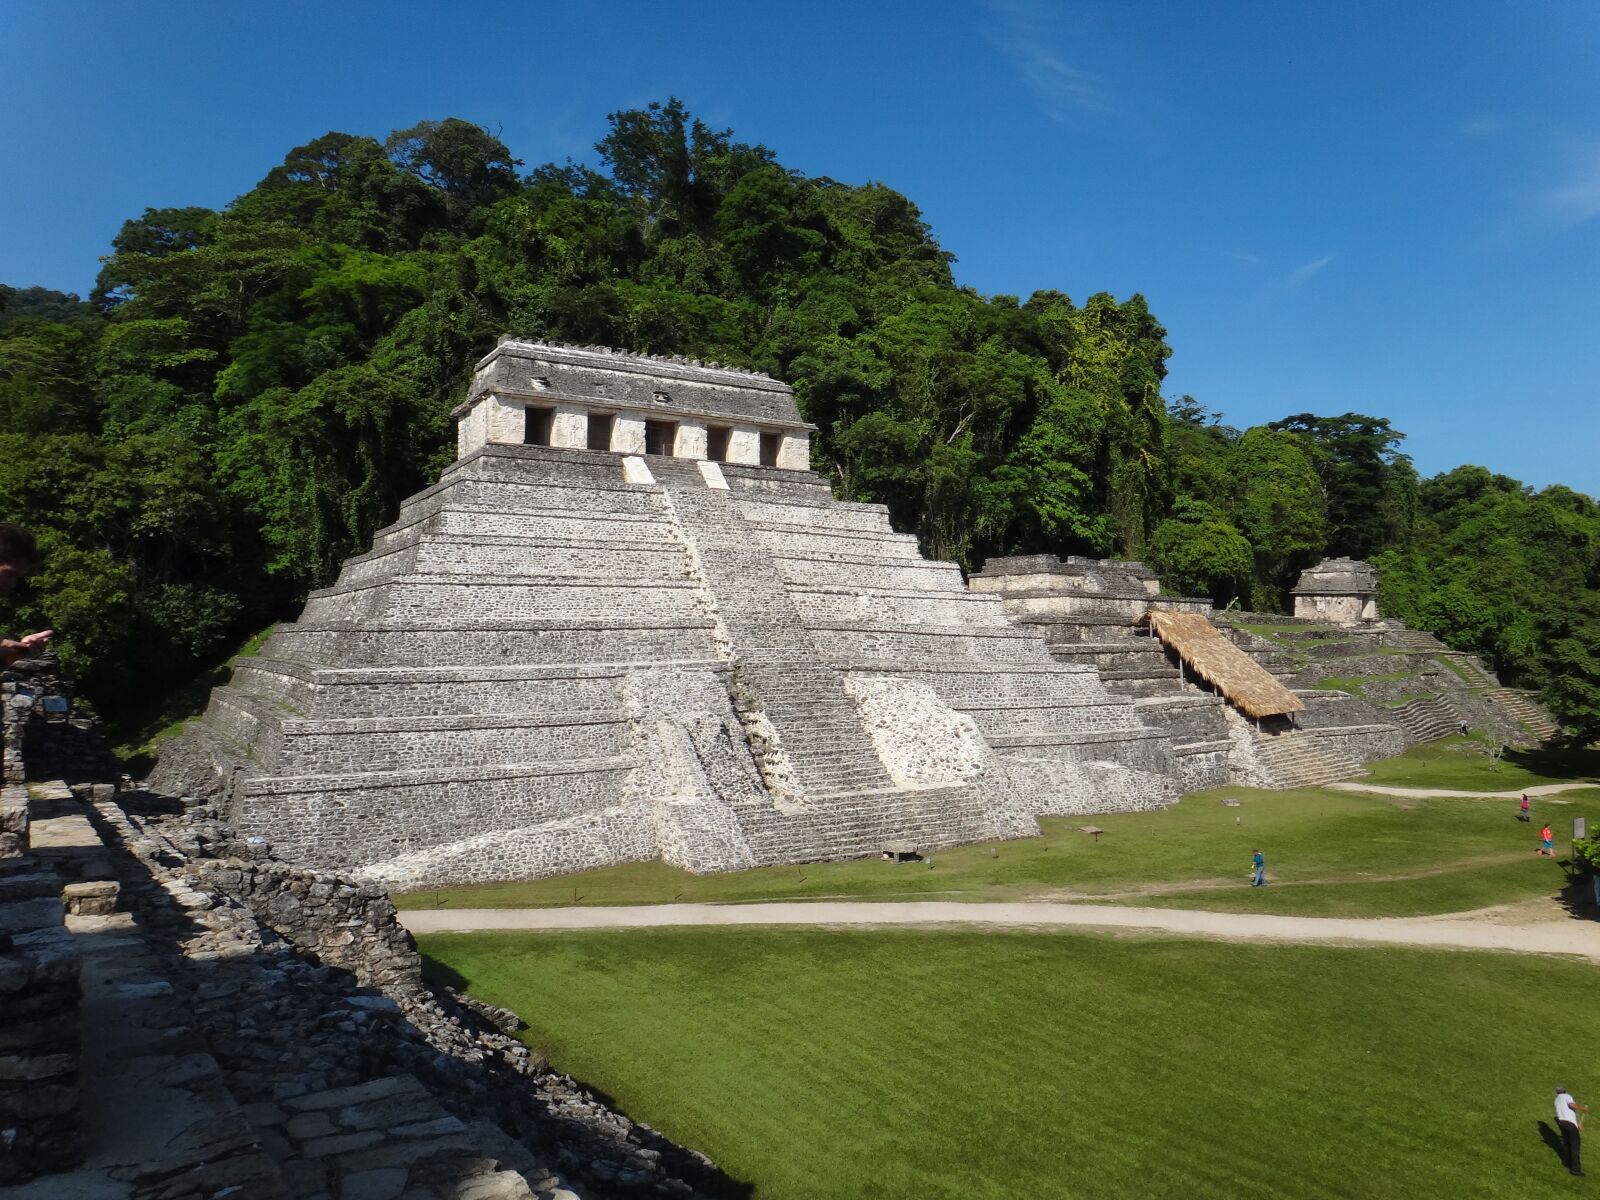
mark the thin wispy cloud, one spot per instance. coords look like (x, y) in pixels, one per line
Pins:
(1481, 127)
(1577, 198)
(1244, 256)
(1023, 32)
(1306, 270)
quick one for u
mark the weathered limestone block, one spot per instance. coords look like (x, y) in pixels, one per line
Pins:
(921, 740)
(91, 898)
(13, 820)
(39, 1003)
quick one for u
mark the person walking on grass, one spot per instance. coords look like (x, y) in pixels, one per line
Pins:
(1259, 864)
(1569, 1117)
(1547, 848)
(1522, 809)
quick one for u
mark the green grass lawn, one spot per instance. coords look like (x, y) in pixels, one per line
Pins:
(939, 1064)
(1355, 685)
(1462, 763)
(1329, 853)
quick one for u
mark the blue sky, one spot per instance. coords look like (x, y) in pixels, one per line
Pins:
(1380, 207)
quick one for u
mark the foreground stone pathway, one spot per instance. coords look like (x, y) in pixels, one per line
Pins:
(1574, 936)
(1543, 789)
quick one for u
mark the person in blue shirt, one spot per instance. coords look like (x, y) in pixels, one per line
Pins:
(1259, 879)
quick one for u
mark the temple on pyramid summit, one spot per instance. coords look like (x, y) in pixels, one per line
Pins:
(629, 622)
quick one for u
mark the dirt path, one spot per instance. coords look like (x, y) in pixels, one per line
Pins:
(1544, 937)
(1543, 789)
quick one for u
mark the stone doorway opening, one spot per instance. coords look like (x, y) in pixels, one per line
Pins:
(600, 425)
(536, 426)
(660, 437)
(717, 442)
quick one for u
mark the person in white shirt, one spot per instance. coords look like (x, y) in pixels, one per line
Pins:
(1567, 1118)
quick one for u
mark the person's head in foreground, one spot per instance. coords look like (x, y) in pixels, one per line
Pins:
(19, 555)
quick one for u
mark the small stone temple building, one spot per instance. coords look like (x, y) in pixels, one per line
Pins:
(629, 621)
(1341, 591)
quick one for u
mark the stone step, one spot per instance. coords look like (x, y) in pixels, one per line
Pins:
(491, 642)
(485, 557)
(329, 746)
(278, 785)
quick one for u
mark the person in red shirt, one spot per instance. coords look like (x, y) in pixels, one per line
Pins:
(1548, 838)
(1522, 810)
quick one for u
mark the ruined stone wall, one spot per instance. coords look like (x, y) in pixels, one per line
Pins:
(352, 1068)
(39, 1005)
(45, 722)
(40, 999)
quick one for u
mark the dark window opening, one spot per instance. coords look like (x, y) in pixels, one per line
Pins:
(536, 424)
(769, 449)
(600, 430)
(659, 437)
(717, 442)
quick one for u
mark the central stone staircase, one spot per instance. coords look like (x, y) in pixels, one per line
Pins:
(830, 786)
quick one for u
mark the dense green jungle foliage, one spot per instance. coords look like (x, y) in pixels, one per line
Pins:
(249, 393)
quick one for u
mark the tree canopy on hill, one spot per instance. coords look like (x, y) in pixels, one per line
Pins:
(249, 392)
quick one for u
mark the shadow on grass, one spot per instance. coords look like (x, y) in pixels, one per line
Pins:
(1577, 894)
(713, 1183)
(1553, 1140)
(1557, 761)
(442, 974)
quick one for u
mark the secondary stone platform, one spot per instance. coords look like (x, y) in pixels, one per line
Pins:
(1242, 725)
(629, 622)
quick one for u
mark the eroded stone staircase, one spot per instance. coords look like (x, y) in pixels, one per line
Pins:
(1294, 758)
(775, 664)
(1520, 706)
(1425, 718)
(1132, 664)
(844, 803)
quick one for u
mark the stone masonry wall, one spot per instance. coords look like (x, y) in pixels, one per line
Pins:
(39, 1002)
(360, 1077)
(44, 723)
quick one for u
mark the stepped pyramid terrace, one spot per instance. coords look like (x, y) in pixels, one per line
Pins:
(1260, 698)
(629, 621)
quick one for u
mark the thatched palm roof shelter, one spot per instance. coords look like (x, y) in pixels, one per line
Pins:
(1243, 683)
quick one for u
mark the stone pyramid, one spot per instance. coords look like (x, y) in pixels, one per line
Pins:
(630, 622)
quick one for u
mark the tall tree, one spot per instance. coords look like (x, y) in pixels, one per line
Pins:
(1281, 511)
(1357, 458)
